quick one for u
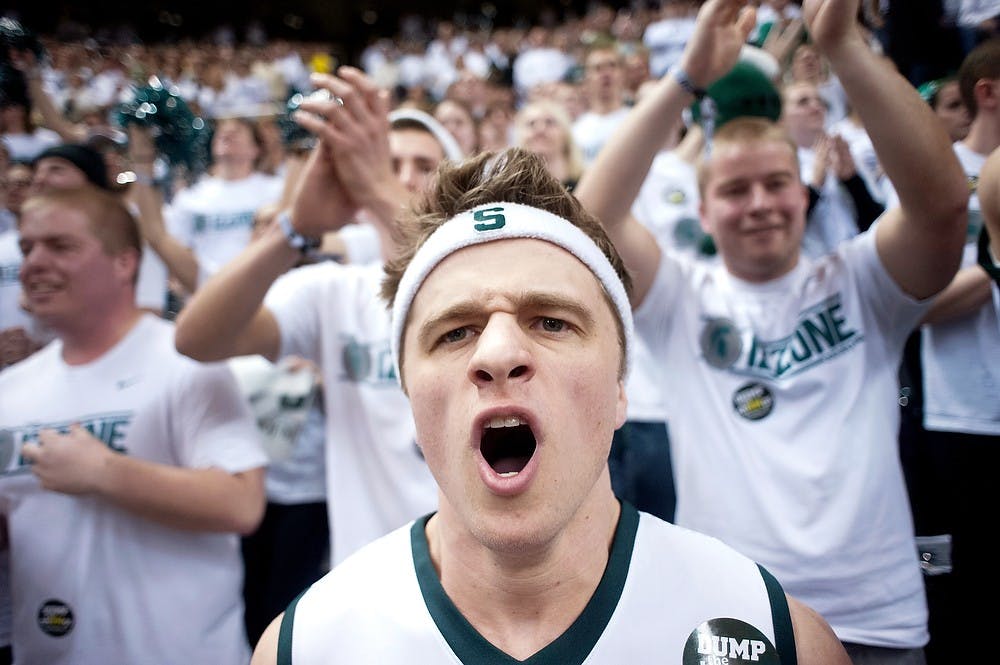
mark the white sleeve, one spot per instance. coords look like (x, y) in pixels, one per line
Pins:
(294, 300)
(213, 425)
(179, 221)
(362, 243)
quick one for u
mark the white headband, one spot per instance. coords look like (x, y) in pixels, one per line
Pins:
(502, 221)
(449, 146)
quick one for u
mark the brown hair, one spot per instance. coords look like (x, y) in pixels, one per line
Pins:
(514, 176)
(982, 62)
(108, 219)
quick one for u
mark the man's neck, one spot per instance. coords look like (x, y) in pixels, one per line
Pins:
(227, 170)
(984, 135)
(522, 602)
(606, 106)
(86, 343)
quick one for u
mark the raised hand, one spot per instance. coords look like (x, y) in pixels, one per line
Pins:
(721, 30)
(832, 24)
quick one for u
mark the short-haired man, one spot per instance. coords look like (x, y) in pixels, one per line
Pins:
(604, 85)
(783, 370)
(329, 313)
(71, 165)
(511, 329)
(127, 469)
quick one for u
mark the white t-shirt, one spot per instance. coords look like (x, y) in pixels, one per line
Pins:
(667, 204)
(11, 314)
(666, 40)
(834, 218)
(535, 66)
(25, 147)
(961, 357)
(663, 588)
(215, 216)
(284, 400)
(377, 480)
(783, 429)
(592, 130)
(92, 582)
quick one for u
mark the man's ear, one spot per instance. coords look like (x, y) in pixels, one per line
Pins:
(126, 264)
(987, 94)
(621, 408)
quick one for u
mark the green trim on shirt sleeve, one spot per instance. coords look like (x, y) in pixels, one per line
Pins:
(285, 634)
(784, 637)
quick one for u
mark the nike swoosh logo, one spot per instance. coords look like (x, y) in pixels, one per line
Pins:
(125, 383)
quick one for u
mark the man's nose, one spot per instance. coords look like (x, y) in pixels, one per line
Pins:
(502, 353)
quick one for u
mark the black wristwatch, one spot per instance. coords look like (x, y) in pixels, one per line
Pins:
(296, 240)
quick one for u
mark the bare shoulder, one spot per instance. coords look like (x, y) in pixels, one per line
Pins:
(266, 651)
(815, 641)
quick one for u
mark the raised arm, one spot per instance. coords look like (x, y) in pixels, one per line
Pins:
(25, 61)
(920, 243)
(226, 316)
(609, 186)
(179, 259)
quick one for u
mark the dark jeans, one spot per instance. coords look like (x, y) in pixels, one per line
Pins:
(287, 553)
(641, 470)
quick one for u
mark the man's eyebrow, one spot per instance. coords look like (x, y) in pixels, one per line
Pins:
(528, 300)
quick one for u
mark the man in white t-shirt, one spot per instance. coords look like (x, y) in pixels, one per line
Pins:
(782, 370)
(959, 347)
(604, 86)
(329, 313)
(127, 469)
(70, 165)
(214, 217)
(20, 336)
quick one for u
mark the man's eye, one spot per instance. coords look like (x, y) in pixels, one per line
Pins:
(456, 335)
(553, 325)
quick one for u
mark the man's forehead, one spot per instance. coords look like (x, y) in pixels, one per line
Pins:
(56, 162)
(412, 142)
(731, 160)
(53, 219)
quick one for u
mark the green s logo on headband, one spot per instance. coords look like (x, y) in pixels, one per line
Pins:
(489, 222)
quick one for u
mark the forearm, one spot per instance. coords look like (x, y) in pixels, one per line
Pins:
(968, 291)
(609, 186)
(51, 117)
(225, 317)
(191, 499)
(179, 259)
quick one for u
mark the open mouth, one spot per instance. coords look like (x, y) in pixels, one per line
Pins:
(507, 445)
